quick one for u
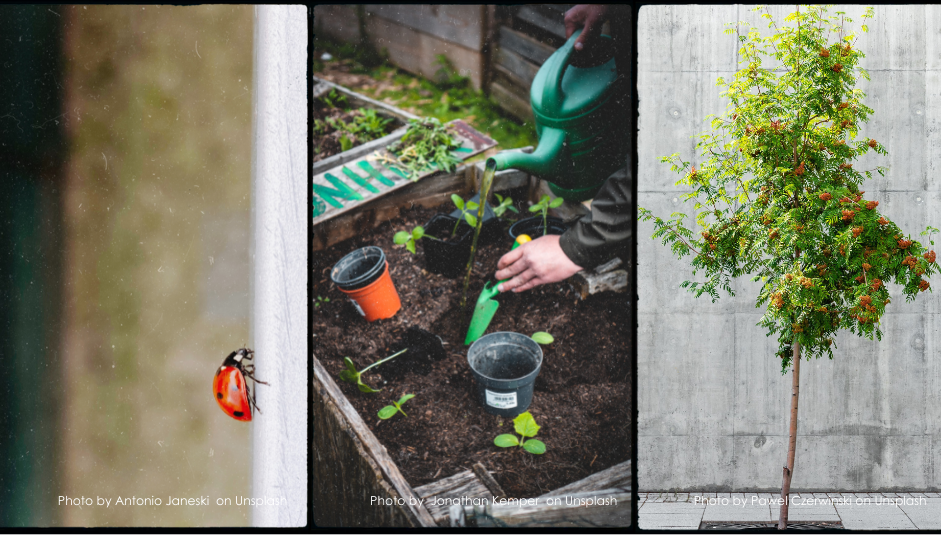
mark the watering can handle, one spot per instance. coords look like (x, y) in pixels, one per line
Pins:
(552, 93)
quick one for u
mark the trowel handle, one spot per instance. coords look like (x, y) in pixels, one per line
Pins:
(520, 240)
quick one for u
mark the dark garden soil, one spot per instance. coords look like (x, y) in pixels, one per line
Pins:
(582, 395)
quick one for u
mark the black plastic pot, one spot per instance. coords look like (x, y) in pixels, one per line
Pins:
(532, 227)
(505, 366)
(491, 230)
(448, 258)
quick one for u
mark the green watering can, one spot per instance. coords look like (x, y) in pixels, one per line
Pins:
(580, 108)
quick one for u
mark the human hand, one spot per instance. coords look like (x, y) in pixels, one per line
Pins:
(540, 261)
(588, 16)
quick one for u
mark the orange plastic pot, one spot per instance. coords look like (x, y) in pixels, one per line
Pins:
(363, 275)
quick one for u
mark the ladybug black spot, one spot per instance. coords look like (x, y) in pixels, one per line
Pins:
(219, 395)
(238, 414)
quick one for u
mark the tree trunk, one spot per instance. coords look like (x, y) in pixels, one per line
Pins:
(792, 437)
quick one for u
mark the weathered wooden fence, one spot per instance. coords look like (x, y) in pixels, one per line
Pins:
(500, 48)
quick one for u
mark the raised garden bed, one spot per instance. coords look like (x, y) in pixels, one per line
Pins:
(582, 395)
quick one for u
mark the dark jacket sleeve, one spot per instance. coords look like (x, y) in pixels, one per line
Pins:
(605, 232)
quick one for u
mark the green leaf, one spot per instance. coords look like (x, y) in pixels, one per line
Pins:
(543, 338)
(363, 387)
(400, 237)
(345, 143)
(405, 398)
(535, 208)
(387, 412)
(525, 425)
(513, 209)
(410, 245)
(458, 201)
(534, 446)
(418, 232)
(506, 441)
(471, 219)
(472, 205)
(556, 203)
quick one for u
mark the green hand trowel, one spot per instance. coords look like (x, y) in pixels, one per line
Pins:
(486, 304)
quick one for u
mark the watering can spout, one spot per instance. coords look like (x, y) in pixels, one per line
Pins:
(544, 161)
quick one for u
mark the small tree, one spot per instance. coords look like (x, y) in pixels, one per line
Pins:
(778, 197)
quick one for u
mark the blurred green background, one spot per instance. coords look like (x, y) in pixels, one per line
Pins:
(149, 210)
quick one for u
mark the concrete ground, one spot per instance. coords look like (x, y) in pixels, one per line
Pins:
(857, 511)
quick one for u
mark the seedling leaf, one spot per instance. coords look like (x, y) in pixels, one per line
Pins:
(418, 232)
(525, 425)
(543, 338)
(535, 208)
(472, 220)
(405, 398)
(506, 441)
(387, 412)
(410, 245)
(534, 446)
(557, 202)
(458, 201)
(401, 237)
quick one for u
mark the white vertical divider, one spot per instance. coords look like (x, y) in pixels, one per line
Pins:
(279, 286)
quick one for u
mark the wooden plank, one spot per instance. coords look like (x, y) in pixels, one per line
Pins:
(440, 495)
(338, 21)
(589, 282)
(417, 52)
(362, 101)
(509, 101)
(550, 21)
(351, 467)
(524, 45)
(516, 67)
(461, 24)
(604, 508)
(471, 141)
(617, 477)
(428, 193)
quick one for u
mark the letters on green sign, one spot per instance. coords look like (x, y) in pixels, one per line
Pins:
(331, 195)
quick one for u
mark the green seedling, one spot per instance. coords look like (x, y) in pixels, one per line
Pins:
(506, 203)
(321, 301)
(466, 209)
(543, 206)
(542, 338)
(410, 238)
(526, 426)
(350, 374)
(389, 410)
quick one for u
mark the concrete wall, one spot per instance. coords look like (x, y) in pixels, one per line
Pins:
(712, 400)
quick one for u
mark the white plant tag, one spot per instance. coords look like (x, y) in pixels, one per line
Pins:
(501, 400)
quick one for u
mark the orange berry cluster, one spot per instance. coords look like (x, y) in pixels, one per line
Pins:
(910, 262)
(923, 285)
(903, 244)
(857, 231)
(872, 204)
(876, 284)
(825, 196)
(806, 283)
(848, 215)
(930, 257)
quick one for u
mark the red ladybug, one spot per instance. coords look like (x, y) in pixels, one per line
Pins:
(231, 389)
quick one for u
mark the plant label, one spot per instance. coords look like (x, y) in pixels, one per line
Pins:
(499, 400)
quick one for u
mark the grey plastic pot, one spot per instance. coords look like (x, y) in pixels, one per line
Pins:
(505, 366)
